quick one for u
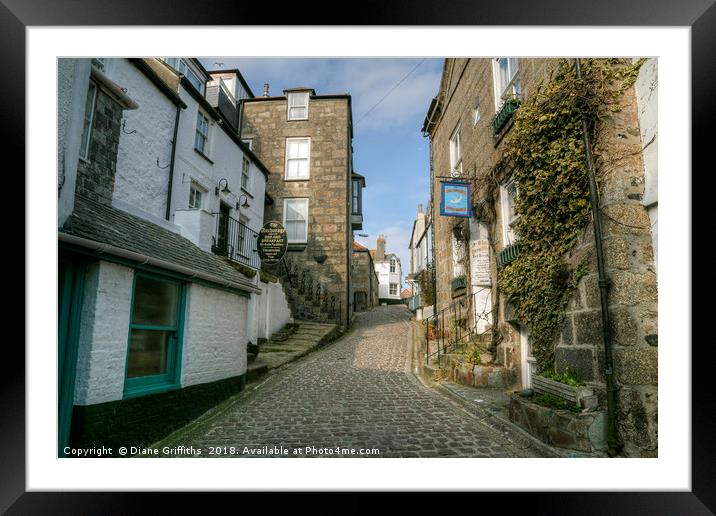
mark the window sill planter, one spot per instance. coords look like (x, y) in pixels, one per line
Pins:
(508, 254)
(504, 115)
(583, 397)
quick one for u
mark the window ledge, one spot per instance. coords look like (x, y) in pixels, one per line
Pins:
(297, 246)
(136, 392)
(296, 179)
(203, 155)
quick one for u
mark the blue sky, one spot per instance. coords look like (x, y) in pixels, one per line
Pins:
(388, 148)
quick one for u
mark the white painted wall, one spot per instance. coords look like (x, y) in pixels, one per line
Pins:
(72, 83)
(215, 335)
(385, 278)
(104, 333)
(226, 158)
(646, 87)
(272, 309)
(139, 181)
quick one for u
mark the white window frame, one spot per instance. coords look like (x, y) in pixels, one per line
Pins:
(245, 173)
(513, 84)
(249, 143)
(205, 149)
(476, 112)
(392, 265)
(308, 160)
(285, 211)
(289, 107)
(456, 152)
(181, 66)
(193, 189)
(392, 289)
(508, 233)
(88, 123)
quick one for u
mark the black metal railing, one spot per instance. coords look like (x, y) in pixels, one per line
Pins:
(508, 254)
(235, 241)
(503, 116)
(452, 329)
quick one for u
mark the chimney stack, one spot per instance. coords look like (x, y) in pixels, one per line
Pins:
(380, 251)
(420, 208)
(266, 89)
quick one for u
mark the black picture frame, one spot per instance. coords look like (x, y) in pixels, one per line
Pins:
(700, 15)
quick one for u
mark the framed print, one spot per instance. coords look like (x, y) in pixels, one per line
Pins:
(163, 358)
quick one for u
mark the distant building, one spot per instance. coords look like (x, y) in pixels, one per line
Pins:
(388, 267)
(420, 274)
(364, 282)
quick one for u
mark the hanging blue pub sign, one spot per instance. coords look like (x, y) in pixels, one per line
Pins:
(455, 199)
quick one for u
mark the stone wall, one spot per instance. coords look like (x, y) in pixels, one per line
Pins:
(95, 177)
(364, 279)
(328, 186)
(627, 244)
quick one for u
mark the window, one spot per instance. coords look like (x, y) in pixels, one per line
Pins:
(298, 151)
(476, 112)
(181, 66)
(89, 116)
(245, 173)
(295, 220)
(393, 289)
(507, 80)
(195, 196)
(392, 265)
(153, 356)
(202, 133)
(249, 143)
(99, 63)
(508, 196)
(455, 153)
(298, 106)
(355, 205)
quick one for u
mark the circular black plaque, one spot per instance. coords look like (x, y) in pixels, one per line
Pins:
(272, 242)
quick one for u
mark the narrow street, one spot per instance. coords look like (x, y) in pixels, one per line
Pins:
(358, 393)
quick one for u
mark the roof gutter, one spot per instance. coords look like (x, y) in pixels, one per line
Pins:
(143, 259)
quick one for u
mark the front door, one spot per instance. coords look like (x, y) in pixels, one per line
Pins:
(222, 237)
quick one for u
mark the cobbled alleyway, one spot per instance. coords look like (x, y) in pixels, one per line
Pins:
(356, 394)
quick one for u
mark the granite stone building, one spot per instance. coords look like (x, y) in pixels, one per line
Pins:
(420, 276)
(468, 122)
(155, 314)
(305, 140)
(364, 279)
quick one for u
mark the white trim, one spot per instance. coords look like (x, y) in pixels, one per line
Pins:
(306, 202)
(514, 79)
(296, 94)
(508, 233)
(308, 159)
(456, 142)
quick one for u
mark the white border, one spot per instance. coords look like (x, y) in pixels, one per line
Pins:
(670, 471)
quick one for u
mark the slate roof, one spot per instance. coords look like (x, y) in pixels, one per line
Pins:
(101, 223)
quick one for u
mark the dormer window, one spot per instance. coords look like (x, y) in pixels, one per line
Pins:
(181, 66)
(298, 106)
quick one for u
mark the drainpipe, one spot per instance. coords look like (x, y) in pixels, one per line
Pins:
(171, 164)
(603, 288)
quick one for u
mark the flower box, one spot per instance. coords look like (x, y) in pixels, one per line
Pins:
(503, 116)
(581, 396)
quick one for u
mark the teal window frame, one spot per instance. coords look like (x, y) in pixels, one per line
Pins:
(141, 386)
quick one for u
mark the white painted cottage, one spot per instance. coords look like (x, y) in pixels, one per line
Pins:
(159, 290)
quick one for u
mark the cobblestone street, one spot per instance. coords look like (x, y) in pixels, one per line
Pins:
(357, 393)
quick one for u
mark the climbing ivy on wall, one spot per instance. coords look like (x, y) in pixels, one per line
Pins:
(545, 152)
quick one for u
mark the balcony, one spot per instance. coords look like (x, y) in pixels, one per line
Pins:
(235, 241)
(504, 115)
(508, 254)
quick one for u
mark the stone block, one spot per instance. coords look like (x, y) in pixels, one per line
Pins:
(636, 365)
(625, 331)
(630, 288)
(588, 328)
(567, 332)
(579, 360)
(636, 422)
